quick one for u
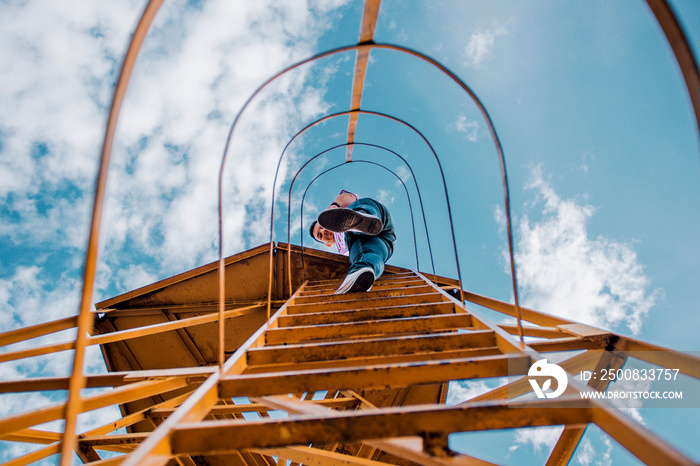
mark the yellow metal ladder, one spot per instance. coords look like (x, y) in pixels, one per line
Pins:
(381, 362)
(359, 379)
(375, 358)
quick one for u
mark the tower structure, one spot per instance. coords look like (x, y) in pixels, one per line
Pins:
(327, 379)
(286, 372)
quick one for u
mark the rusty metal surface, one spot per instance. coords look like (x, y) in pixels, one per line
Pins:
(386, 354)
(369, 22)
(315, 342)
(77, 380)
(391, 422)
(678, 41)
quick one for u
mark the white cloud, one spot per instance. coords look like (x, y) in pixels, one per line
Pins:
(469, 128)
(161, 210)
(404, 173)
(635, 414)
(11, 403)
(27, 299)
(385, 197)
(464, 390)
(587, 455)
(135, 276)
(171, 211)
(565, 272)
(630, 406)
(481, 44)
(199, 64)
(537, 437)
(57, 63)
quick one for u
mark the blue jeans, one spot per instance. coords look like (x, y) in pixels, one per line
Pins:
(371, 251)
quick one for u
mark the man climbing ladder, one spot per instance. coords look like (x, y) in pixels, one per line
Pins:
(362, 229)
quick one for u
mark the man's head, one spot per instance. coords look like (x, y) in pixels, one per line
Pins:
(321, 235)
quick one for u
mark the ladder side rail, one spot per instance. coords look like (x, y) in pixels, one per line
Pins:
(157, 449)
(121, 395)
(39, 330)
(623, 429)
(122, 335)
(653, 354)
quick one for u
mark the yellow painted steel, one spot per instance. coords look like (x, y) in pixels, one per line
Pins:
(570, 437)
(77, 380)
(378, 292)
(394, 345)
(318, 457)
(135, 391)
(372, 377)
(432, 323)
(223, 436)
(287, 356)
(681, 49)
(125, 334)
(336, 403)
(407, 448)
(34, 331)
(35, 456)
(377, 313)
(382, 346)
(32, 436)
(157, 448)
(639, 441)
(369, 22)
(60, 383)
(361, 361)
(369, 302)
(398, 346)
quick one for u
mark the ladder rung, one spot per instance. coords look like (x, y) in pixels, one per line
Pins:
(380, 293)
(382, 423)
(373, 361)
(335, 281)
(330, 287)
(368, 378)
(353, 315)
(386, 276)
(388, 346)
(368, 328)
(353, 303)
(340, 403)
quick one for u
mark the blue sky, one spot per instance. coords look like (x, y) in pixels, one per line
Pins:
(600, 140)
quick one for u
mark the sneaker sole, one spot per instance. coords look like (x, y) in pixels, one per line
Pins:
(340, 220)
(363, 283)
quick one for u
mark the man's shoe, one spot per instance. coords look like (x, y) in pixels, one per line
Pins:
(342, 219)
(360, 280)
